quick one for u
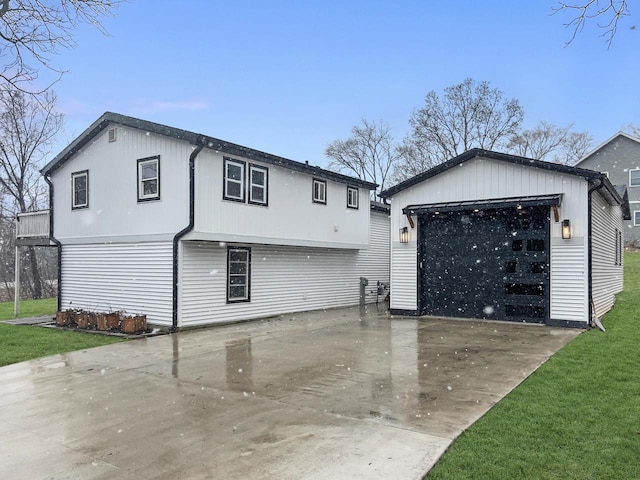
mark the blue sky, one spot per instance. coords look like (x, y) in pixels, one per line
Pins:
(288, 77)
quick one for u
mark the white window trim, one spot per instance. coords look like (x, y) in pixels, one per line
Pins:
(321, 199)
(635, 212)
(247, 275)
(356, 195)
(606, 174)
(74, 177)
(633, 170)
(242, 165)
(149, 196)
(264, 187)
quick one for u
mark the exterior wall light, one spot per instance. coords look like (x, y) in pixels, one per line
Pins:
(404, 235)
(566, 229)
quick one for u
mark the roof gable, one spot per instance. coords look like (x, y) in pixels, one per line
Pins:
(476, 153)
(607, 142)
(109, 118)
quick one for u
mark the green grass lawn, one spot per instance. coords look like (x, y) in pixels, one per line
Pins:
(576, 417)
(21, 342)
(29, 308)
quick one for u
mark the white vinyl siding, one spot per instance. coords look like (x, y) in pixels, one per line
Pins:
(114, 211)
(134, 277)
(284, 279)
(607, 276)
(568, 280)
(404, 275)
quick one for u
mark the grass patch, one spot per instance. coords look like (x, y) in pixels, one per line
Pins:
(22, 342)
(29, 308)
(576, 417)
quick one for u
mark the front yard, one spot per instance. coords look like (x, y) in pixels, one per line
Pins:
(21, 342)
(577, 417)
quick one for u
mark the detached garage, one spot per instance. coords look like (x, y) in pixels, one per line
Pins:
(488, 235)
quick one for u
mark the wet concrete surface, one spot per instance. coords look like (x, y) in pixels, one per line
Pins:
(320, 395)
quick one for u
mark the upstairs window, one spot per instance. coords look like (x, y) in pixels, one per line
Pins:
(634, 177)
(319, 191)
(149, 179)
(352, 197)
(80, 190)
(234, 172)
(238, 274)
(258, 181)
(636, 218)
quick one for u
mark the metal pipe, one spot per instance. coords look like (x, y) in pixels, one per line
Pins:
(589, 246)
(185, 230)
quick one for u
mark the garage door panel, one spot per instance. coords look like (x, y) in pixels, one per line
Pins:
(492, 264)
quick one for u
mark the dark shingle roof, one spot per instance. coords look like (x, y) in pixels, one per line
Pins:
(228, 148)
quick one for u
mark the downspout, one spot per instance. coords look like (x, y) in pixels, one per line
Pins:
(53, 239)
(589, 253)
(185, 230)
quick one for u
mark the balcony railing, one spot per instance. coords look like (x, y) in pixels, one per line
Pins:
(33, 224)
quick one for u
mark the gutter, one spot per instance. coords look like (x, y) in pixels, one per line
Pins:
(589, 253)
(54, 240)
(185, 230)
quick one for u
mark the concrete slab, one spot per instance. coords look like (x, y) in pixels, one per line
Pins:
(335, 394)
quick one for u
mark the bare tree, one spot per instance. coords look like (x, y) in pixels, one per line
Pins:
(609, 11)
(369, 153)
(469, 115)
(551, 142)
(32, 31)
(27, 130)
(631, 129)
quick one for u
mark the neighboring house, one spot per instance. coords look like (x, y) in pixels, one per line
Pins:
(619, 159)
(481, 236)
(192, 230)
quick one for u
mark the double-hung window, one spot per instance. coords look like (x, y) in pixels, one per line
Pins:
(238, 274)
(234, 173)
(319, 191)
(634, 177)
(258, 181)
(80, 190)
(352, 197)
(636, 218)
(149, 179)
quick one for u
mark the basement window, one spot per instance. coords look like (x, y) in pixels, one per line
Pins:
(238, 274)
(319, 191)
(149, 179)
(234, 172)
(80, 190)
(352, 197)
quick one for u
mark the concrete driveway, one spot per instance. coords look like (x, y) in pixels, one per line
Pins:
(323, 395)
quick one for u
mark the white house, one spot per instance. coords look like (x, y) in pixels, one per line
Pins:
(192, 230)
(493, 236)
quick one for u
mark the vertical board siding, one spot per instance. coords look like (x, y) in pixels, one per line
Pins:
(404, 275)
(481, 179)
(134, 277)
(290, 218)
(568, 282)
(114, 209)
(607, 276)
(283, 279)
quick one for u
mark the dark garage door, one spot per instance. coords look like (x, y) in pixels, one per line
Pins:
(490, 264)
